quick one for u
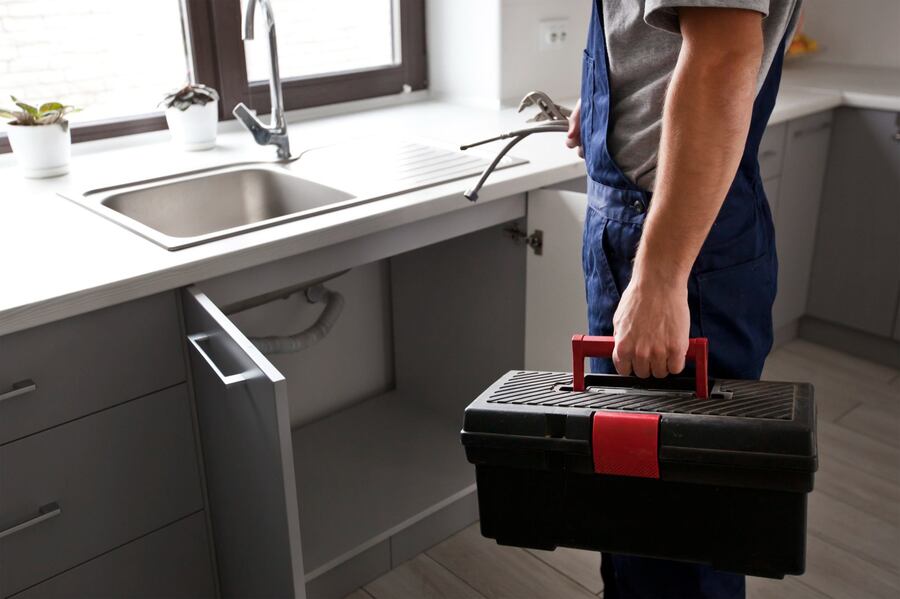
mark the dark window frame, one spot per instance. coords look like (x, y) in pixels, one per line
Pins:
(218, 56)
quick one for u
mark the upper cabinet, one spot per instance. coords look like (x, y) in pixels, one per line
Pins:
(856, 273)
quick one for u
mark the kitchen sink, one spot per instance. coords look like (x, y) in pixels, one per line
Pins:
(188, 209)
(195, 208)
(221, 201)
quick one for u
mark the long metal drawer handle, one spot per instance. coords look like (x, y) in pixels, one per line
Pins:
(20, 388)
(45, 512)
(227, 379)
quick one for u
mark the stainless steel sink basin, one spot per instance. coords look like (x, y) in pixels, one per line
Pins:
(186, 210)
(192, 208)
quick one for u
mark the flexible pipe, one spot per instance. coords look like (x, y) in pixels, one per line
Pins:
(334, 305)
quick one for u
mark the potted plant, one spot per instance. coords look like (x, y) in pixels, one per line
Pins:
(40, 137)
(193, 115)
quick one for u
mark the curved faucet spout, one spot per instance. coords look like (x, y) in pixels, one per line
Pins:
(276, 132)
(250, 13)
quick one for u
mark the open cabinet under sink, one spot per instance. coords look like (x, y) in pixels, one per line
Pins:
(348, 496)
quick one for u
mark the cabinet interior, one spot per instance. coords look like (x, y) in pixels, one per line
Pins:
(451, 322)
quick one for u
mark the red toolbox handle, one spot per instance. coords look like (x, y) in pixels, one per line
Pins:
(586, 346)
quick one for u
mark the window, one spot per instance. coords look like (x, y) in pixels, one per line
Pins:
(320, 38)
(80, 51)
(117, 58)
(328, 52)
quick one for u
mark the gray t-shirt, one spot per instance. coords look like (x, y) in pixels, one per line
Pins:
(643, 40)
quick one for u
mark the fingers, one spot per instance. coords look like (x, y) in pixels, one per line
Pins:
(675, 359)
(659, 367)
(573, 137)
(641, 363)
(645, 362)
(621, 360)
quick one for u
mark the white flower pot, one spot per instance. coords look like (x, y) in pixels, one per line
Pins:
(195, 128)
(41, 150)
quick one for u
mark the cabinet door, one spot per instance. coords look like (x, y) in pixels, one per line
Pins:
(856, 274)
(799, 194)
(246, 440)
(555, 305)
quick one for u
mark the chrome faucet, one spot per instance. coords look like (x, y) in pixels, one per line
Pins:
(276, 132)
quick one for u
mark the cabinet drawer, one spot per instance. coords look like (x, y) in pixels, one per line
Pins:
(89, 362)
(173, 562)
(113, 476)
(771, 151)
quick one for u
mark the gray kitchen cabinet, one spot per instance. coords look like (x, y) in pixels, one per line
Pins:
(772, 187)
(98, 454)
(67, 369)
(83, 488)
(800, 190)
(771, 158)
(771, 151)
(856, 272)
(245, 436)
(173, 562)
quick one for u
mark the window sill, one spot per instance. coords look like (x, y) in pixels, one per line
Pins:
(155, 129)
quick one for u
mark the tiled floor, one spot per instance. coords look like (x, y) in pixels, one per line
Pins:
(854, 514)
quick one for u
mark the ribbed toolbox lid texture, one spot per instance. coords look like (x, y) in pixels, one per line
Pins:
(745, 399)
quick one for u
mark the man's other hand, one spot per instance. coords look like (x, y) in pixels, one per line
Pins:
(651, 325)
(573, 138)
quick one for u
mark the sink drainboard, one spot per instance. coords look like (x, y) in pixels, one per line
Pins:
(393, 167)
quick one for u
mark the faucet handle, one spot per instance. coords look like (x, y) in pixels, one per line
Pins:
(252, 124)
(242, 113)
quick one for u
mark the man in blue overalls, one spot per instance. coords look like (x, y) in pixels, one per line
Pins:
(678, 238)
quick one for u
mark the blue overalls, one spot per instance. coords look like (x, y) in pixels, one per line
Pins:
(731, 288)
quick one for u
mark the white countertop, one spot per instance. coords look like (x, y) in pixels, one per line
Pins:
(60, 259)
(860, 87)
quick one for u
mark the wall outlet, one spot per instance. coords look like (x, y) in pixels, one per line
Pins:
(553, 34)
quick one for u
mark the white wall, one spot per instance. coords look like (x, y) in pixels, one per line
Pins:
(463, 38)
(861, 32)
(486, 52)
(524, 66)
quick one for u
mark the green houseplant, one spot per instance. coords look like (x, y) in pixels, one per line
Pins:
(40, 137)
(192, 114)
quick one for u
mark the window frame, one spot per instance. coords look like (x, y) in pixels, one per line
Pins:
(217, 51)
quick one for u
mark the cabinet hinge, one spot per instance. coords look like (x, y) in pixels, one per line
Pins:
(535, 241)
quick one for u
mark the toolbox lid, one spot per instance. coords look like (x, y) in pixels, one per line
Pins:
(746, 433)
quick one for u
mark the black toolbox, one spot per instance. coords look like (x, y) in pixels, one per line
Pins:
(712, 472)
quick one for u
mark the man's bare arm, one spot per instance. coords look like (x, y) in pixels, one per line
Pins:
(706, 119)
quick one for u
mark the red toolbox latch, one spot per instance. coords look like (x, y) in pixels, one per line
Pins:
(626, 444)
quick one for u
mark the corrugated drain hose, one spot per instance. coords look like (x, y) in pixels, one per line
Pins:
(334, 305)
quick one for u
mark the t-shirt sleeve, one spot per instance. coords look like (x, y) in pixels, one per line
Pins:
(663, 14)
